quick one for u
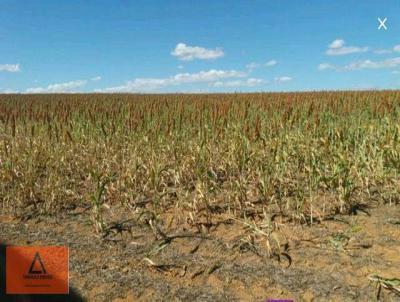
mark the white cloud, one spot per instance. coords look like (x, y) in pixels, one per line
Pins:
(8, 91)
(250, 82)
(206, 76)
(59, 88)
(253, 65)
(326, 66)
(337, 48)
(365, 64)
(227, 84)
(151, 84)
(180, 67)
(338, 43)
(271, 63)
(95, 79)
(383, 51)
(188, 53)
(395, 48)
(10, 67)
(255, 82)
(368, 64)
(283, 79)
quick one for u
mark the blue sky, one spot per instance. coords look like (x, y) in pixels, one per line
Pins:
(202, 46)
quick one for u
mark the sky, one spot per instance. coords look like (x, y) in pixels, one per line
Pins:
(149, 46)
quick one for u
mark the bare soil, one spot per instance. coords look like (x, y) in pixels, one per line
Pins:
(330, 260)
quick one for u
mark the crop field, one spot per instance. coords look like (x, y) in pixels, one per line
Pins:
(217, 197)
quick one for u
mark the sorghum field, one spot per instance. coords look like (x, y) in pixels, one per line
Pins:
(220, 197)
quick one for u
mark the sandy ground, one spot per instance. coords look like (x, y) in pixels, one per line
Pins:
(330, 261)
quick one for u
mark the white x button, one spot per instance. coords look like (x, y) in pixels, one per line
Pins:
(382, 23)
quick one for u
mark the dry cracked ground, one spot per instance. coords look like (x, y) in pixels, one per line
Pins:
(330, 260)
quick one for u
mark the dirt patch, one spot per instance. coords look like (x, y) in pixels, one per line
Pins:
(330, 261)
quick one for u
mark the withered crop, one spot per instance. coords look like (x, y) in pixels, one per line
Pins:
(251, 157)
